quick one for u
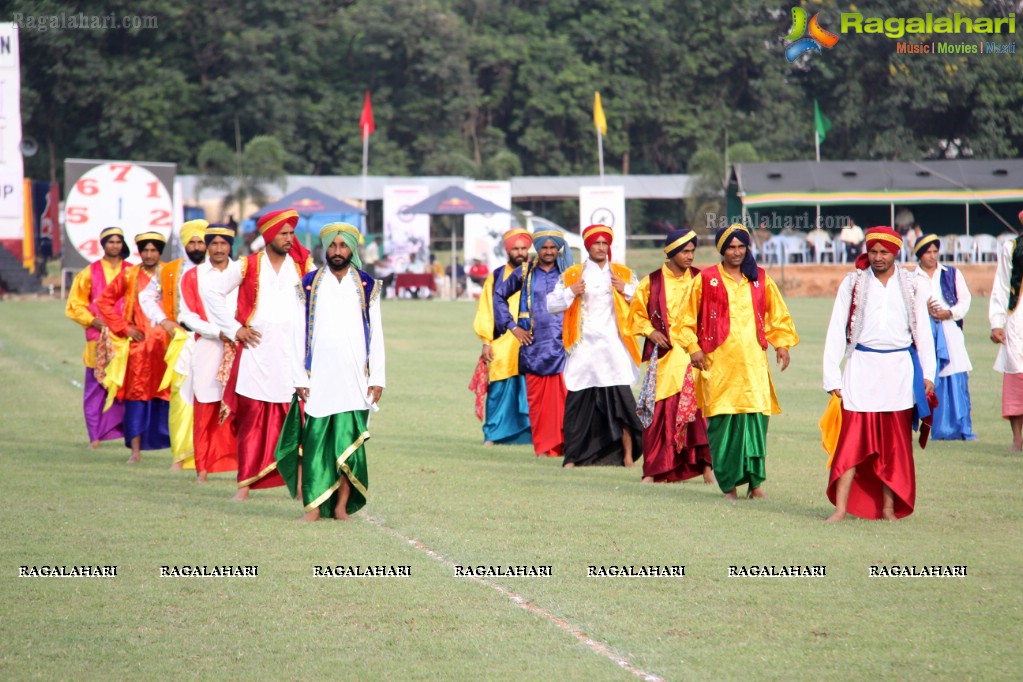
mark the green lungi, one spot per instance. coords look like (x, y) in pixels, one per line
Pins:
(332, 447)
(738, 448)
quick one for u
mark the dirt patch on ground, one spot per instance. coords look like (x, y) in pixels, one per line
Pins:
(823, 280)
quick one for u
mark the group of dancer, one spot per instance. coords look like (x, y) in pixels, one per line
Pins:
(264, 365)
(270, 367)
(561, 355)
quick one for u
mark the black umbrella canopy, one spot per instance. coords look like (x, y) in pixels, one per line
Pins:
(455, 201)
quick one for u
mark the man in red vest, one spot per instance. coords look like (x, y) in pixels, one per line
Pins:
(675, 438)
(733, 312)
(215, 439)
(260, 387)
(82, 308)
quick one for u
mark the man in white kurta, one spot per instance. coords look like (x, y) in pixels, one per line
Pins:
(261, 388)
(160, 301)
(1007, 330)
(601, 426)
(872, 475)
(215, 438)
(948, 301)
(342, 378)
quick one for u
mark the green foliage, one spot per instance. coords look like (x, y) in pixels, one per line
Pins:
(243, 175)
(492, 88)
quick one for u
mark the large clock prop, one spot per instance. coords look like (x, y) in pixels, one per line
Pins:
(137, 197)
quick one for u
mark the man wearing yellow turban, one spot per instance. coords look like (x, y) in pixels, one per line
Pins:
(506, 420)
(161, 301)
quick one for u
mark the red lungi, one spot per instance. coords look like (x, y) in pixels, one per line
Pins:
(660, 458)
(880, 446)
(259, 426)
(546, 396)
(216, 444)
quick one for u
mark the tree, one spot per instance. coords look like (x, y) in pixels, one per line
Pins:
(242, 174)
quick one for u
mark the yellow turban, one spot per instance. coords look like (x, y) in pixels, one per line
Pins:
(193, 228)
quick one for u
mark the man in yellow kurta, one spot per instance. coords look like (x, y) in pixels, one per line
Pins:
(675, 433)
(733, 312)
(507, 408)
(81, 308)
(161, 302)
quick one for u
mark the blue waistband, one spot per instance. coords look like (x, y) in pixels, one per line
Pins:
(922, 408)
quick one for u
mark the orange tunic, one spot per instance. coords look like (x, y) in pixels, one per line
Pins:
(145, 360)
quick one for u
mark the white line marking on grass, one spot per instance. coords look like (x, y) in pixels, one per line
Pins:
(597, 647)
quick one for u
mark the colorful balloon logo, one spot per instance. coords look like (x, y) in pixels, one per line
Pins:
(819, 36)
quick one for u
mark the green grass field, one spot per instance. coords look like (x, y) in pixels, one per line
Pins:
(434, 482)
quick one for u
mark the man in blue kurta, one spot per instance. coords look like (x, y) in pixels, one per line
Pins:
(541, 352)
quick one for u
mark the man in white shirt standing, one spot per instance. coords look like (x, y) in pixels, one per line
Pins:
(948, 301)
(601, 426)
(340, 336)
(879, 326)
(215, 440)
(260, 387)
(1006, 320)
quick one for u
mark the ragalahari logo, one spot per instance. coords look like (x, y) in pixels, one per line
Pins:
(818, 38)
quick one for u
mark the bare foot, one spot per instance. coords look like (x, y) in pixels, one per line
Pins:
(568, 465)
(341, 514)
(888, 515)
(135, 458)
(93, 444)
(488, 443)
(629, 462)
(200, 477)
(648, 479)
(314, 515)
(708, 476)
(836, 517)
(177, 466)
(756, 494)
(241, 495)
(1017, 446)
(731, 495)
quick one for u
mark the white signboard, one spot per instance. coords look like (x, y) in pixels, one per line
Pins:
(12, 170)
(483, 231)
(404, 232)
(605, 205)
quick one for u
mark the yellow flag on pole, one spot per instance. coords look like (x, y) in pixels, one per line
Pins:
(598, 115)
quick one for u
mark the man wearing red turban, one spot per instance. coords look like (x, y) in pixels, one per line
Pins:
(506, 420)
(601, 426)
(260, 386)
(880, 327)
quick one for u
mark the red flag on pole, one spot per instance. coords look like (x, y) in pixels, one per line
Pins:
(366, 120)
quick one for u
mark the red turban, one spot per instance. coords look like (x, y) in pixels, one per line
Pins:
(591, 233)
(516, 237)
(270, 225)
(883, 236)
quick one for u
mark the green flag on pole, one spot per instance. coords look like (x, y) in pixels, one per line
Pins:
(820, 122)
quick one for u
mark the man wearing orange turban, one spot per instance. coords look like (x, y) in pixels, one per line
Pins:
(601, 426)
(506, 420)
(260, 386)
(879, 327)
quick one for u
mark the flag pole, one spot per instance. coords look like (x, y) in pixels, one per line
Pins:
(600, 154)
(365, 172)
(817, 143)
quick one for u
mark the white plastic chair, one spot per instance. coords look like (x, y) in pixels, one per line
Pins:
(986, 248)
(963, 250)
(822, 247)
(772, 250)
(795, 246)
